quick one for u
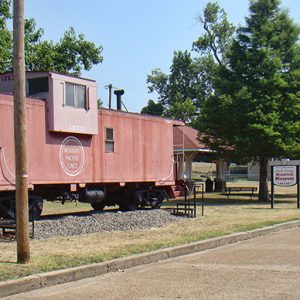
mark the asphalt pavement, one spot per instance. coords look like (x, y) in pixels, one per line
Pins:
(266, 267)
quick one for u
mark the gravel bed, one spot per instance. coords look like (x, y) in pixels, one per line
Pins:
(92, 222)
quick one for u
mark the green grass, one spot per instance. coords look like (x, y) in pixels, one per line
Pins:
(51, 208)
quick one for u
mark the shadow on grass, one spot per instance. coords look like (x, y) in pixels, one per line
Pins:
(285, 196)
(222, 200)
(215, 201)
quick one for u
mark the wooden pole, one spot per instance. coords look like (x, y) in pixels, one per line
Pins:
(109, 95)
(23, 247)
(272, 186)
(298, 186)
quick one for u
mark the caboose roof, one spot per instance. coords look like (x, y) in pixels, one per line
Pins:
(143, 116)
(51, 72)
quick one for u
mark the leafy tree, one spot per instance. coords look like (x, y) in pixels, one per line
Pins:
(218, 33)
(255, 107)
(191, 78)
(73, 53)
(182, 108)
(4, 12)
(32, 41)
(70, 55)
(5, 36)
(181, 91)
(99, 103)
(154, 109)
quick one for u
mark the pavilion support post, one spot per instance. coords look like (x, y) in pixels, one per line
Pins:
(220, 183)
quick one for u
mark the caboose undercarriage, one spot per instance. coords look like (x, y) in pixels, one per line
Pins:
(128, 197)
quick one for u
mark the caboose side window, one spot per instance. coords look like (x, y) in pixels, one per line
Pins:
(37, 85)
(75, 95)
(109, 140)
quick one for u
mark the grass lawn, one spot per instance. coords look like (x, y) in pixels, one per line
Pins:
(53, 208)
(222, 216)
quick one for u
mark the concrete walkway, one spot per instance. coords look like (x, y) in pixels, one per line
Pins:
(266, 267)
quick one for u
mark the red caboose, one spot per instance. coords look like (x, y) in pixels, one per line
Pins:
(75, 151)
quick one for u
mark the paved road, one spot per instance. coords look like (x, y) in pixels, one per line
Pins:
(263, 268)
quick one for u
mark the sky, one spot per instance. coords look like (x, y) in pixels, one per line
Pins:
(137, 36)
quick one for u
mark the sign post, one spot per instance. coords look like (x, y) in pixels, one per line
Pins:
(272, 187)
(298, 188)
(285, 175)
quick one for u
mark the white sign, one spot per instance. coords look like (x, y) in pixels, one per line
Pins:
(285, 175)
(71, 156)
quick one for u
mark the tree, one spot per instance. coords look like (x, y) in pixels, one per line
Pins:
(254, 111)
(99, 103)
(181, 91)
(154, 109)
(191, 78)
(70, 55)
(5, 36)
(73, 53)
(218, 33)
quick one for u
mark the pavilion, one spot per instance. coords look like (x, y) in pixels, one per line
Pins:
(186, 147)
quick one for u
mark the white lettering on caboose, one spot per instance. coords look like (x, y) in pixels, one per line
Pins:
(71, 156)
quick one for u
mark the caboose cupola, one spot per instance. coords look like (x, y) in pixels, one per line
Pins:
(71, 101)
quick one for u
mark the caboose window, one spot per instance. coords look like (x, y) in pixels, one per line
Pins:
(37, 85)
(109, 140)
(75, 95)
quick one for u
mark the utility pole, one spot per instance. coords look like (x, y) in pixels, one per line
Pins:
(23, 247)
(109, 87)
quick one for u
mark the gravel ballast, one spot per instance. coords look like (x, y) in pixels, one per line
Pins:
(91, 222)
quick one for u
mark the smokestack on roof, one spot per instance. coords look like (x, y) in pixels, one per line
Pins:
(119, 94)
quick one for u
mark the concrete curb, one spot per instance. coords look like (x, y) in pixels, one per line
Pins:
(33, 282)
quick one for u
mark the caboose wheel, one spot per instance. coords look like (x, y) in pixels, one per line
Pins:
(35, 207)
(98, 206)
(132, 204)
(8, 208)
(128, 204)
(130, 201)
(156, 205)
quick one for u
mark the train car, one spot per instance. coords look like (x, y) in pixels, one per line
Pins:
(77, 152)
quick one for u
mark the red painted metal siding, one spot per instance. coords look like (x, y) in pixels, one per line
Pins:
(143, 149)
(7, 158)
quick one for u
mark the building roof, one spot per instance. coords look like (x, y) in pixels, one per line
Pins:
(50, 72)
(186, 139)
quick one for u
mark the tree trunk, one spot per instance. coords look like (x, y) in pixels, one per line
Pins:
(263, 179)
